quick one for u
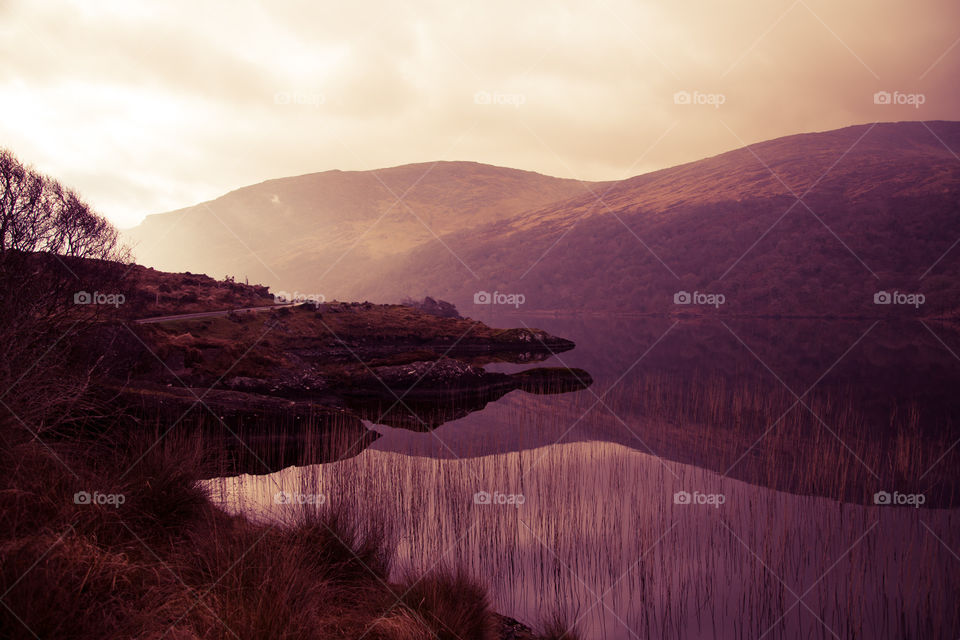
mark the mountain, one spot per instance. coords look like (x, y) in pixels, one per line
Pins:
(812, 224)
(879, 210)
(317, 232)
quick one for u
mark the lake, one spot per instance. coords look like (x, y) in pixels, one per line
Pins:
(720, 478)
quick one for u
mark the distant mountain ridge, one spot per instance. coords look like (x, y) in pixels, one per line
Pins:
(290, 231)
(880, 210)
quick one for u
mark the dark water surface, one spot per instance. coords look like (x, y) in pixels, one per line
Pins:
(732, 478)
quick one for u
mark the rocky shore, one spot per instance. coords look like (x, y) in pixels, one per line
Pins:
(323, 368)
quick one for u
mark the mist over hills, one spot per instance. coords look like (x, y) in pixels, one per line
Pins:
(810, 224)
(318, 232)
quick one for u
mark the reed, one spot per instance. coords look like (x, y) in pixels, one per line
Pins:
(149, 555)
(600, 539)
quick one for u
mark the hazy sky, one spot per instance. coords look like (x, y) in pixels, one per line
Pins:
(150, 106)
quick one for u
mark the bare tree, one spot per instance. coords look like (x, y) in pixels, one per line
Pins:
(55, 251)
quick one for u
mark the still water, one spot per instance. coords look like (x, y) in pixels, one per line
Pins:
(718, 479)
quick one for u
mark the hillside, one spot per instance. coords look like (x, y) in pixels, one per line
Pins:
(880, 211)
(158, 341)
(315, 233)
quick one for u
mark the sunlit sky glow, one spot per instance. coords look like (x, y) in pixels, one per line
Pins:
(146, 107)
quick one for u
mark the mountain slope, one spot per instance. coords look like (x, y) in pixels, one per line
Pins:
(317, 232)
(880, 210)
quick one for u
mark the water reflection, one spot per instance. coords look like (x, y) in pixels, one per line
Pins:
(251, 433)
(869, 406)
(719, 479)
(605, 534)
(418, 411)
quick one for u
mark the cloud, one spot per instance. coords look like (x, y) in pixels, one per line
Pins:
(150, 107)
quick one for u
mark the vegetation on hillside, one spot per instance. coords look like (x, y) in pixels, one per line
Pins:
(53, 248)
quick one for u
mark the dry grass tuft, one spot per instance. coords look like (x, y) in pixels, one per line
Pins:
(166, 563)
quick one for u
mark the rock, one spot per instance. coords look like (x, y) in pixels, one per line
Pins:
(444, 372)
(439, 308)
(509, 629)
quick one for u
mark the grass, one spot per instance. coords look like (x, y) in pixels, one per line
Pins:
(156, 293)
(338, 343)
(168, 563)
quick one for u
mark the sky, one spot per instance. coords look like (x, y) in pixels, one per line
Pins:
(146, 107)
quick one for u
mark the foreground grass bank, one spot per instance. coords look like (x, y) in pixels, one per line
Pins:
(115, 539)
